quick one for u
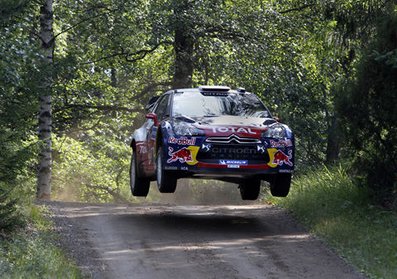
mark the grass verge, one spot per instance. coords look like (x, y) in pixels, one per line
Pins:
(332, 207)
(31, 253)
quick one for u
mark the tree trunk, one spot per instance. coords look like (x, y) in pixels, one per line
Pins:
(45, 117)
(183, 46)
(333, 142)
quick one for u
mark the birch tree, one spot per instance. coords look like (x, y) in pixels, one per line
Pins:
(46, 36)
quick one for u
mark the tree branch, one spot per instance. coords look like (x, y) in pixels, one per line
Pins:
(141, 54)
(79, 23)
(297, 9)
(97, 107)
(114, 193)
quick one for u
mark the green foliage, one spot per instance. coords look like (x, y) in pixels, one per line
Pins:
(95, 171)
(369, 110)
(295, 55)
(17, 112)
(33, 254)
(11, 214)
(331, 206)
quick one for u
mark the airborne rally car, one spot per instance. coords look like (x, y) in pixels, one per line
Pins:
(211, 132)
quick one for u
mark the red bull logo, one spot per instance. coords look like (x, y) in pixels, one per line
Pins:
(182, 155)
(182, 141)
(281, 158)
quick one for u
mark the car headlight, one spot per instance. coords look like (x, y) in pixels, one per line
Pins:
(184, 129)
(276, 131)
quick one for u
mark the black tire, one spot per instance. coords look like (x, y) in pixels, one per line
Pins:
(166, 181)
(249, 189)
(139, 185)
(280, 184)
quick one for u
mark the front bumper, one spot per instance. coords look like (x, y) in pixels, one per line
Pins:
(194, 157)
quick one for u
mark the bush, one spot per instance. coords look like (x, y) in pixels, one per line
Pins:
(369, 112)
(16, 180)
(31, 253)
(334, 208)
(95, 172)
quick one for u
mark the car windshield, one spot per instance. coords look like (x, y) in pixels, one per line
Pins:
(195, 104)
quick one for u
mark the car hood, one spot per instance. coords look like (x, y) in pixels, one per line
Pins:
(227, 120)
(228, 124)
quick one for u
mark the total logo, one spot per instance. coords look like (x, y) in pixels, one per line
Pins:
(233, 130)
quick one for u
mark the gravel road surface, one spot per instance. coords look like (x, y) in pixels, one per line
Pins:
(167, 241)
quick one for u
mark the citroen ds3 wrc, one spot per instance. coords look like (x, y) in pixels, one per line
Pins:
(211, 132)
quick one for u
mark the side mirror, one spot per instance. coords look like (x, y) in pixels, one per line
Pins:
(153, 116)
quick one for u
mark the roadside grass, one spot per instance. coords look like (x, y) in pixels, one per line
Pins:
(32, 253)
(336, 210)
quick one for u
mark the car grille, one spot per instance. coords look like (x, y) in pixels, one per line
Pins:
(245, 151)
(232, 139)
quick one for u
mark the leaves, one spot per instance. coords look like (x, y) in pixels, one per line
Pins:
(112, 56)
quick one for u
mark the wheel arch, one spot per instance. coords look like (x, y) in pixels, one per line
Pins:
(133, 144)
(159, 140)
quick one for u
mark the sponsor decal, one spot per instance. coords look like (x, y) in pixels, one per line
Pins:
(154, 132)
(233, 130)
(205, 147)
(261, 149)
(170, 168)
(279, 158)
(280, 143)
(285, 171)
(183, 155)
(182, 141)
(233, 164)
(228, 150)
(142, 149)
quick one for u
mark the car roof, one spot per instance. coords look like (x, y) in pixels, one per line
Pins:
(206, 88)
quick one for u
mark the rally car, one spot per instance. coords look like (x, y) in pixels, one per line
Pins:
(211, 132)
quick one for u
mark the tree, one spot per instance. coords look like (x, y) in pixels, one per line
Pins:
(18, 101)
(183, 45)
(45, 118)
(369, 112)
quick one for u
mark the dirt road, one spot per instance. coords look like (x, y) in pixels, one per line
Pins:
(165, 241)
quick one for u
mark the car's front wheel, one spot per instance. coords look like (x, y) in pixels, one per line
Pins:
(139, 185)
(166, 181)
(280, 184)
(249, 189)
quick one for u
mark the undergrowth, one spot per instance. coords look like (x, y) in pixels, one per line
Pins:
(340, 212)
(31, 253)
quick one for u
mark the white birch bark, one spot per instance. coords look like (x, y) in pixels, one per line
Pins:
(45, 118)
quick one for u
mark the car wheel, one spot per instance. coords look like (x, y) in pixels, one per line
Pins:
(280, 184)
(139, 185)
(166, 181)
(249, 189)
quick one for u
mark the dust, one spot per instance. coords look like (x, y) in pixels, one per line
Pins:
(66, 193)
(188, 192)
(199, 192)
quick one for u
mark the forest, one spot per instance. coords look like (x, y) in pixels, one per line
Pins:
(75, 76)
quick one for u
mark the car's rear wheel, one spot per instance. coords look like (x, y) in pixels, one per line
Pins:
(280, 184)
(139, 185)
(166, 181)
(249, 189)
